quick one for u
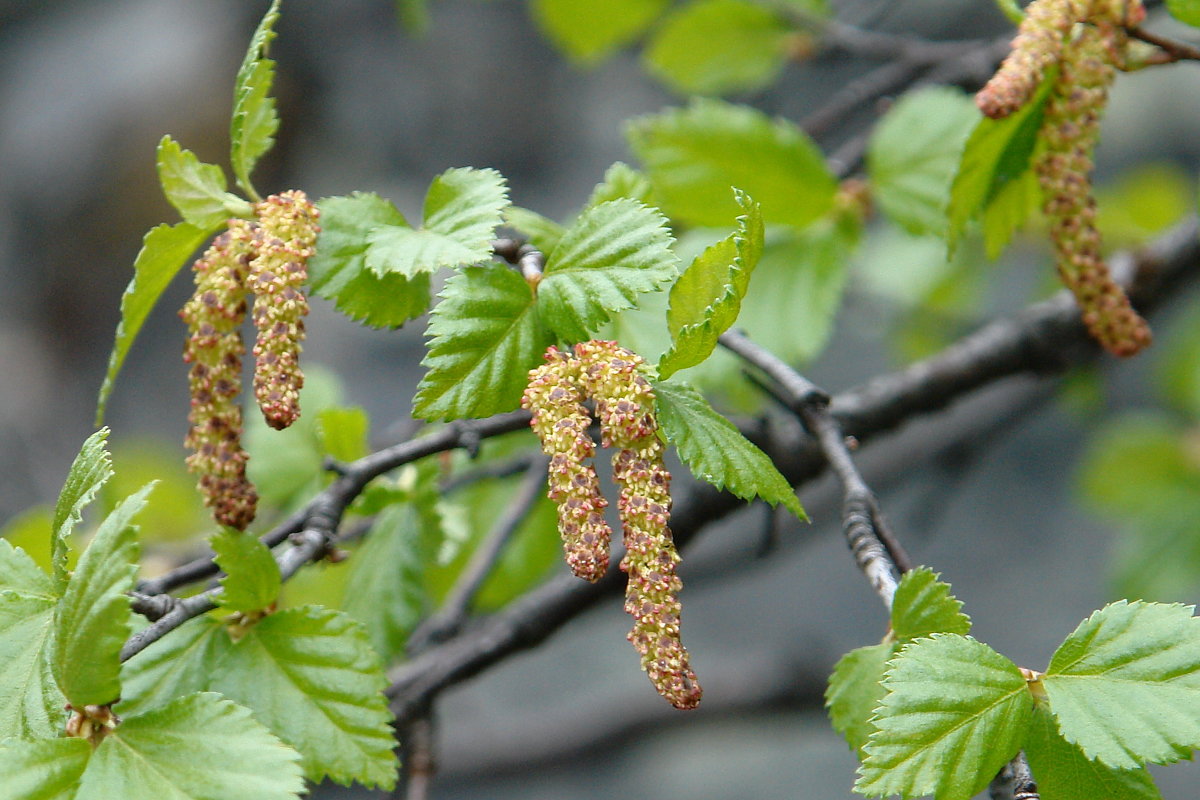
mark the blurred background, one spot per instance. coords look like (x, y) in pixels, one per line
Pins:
(989, 493)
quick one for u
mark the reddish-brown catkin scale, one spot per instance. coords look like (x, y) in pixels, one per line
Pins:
(561, 422)
(286, 235)
(1070, 128)
(1037, 46)
(625, 406)
(214, 315)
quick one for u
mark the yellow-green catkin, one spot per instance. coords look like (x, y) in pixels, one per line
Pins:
(624, 400)
(561, 423)
(1070, 129)
(1037, 46)
(285, 238)
(214, 348)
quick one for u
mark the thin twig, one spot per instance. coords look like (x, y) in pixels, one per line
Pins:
(1172, 49)
(418, 758)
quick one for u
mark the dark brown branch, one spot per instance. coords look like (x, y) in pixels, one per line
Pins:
(1014, 782)
(524, 256)
(1172, 50)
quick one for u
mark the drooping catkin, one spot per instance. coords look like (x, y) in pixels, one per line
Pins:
(285, 239)
(214, 348)
(1038, 45)
(1070, 129)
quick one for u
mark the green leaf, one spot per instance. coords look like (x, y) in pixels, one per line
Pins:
(707, 298)
(386, 302)
(252, 580)
(533, 553)
(716, 452)
(164, 250)
(621, 180)
(31, 705)
(914, 153)
(254, 121)
(1063, 772)
(923, 606)
(386, 588)
(92, 621)
(1006, 213)
(1186, 11)
(541, 232)
(343, 432)
(19, 572)
(855, 690)
(43, 770)
(463, 208)
(196, 190)
(486, 334)
(954, 712)
(610, 255)
(589, 30)
(997, 152)
(311, 676)
(717, 47)
(200, 747)
(174, 666)
(91, 469)
(695, 154)
(1125, 686)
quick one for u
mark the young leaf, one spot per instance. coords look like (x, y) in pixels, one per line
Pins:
(164, 251)
(254, 121)
(251, 581)
(31, 705)
(707, 298)
(19, 572)
(914, 153)
(343, 432)
(716, 452)
(718, 46)
(954, 712)
(43, 770)
(92, 621)
(620, 180)
(923, 606)
(386, 302)
(91, 469)
(1125, 686)
(1063, 772)
(541, 232)
(855, 690)
(589, 30)
(174, 666)
(311, 676)
(997, 151)
(1186, 11)
(610, 255)
(695, 154)
(463, 208)
(486, 336)
(196, 190)
(201, 746)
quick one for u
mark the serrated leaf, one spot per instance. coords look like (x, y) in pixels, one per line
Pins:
(611, 254)
(923, 606)
(386, 588)
(694, 155)
(253, 124)
(200, 747)
(176, 665)
(92, 621)
(164, 250)
(1063, 772)
(310, 675)
(997, 152)
(31, 705)
(589, 30)
(855, 690)
(914, 153)
(19, 572)
(343, 432)
(1008, 211)
(345, 223)
(1125, 685)
(486, 334)
(252, 580)
(197, 190)
(463, 208)
(707, 298)
(386, 302)
(716, 452)
(91, 469)
(541, 232)
(43, 770)
(954, 712)
(621, 180)
(717, 47)
(1186, 11)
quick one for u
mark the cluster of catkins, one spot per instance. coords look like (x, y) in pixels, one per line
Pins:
(624, 402)
(265, 257)
(1086, 40)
